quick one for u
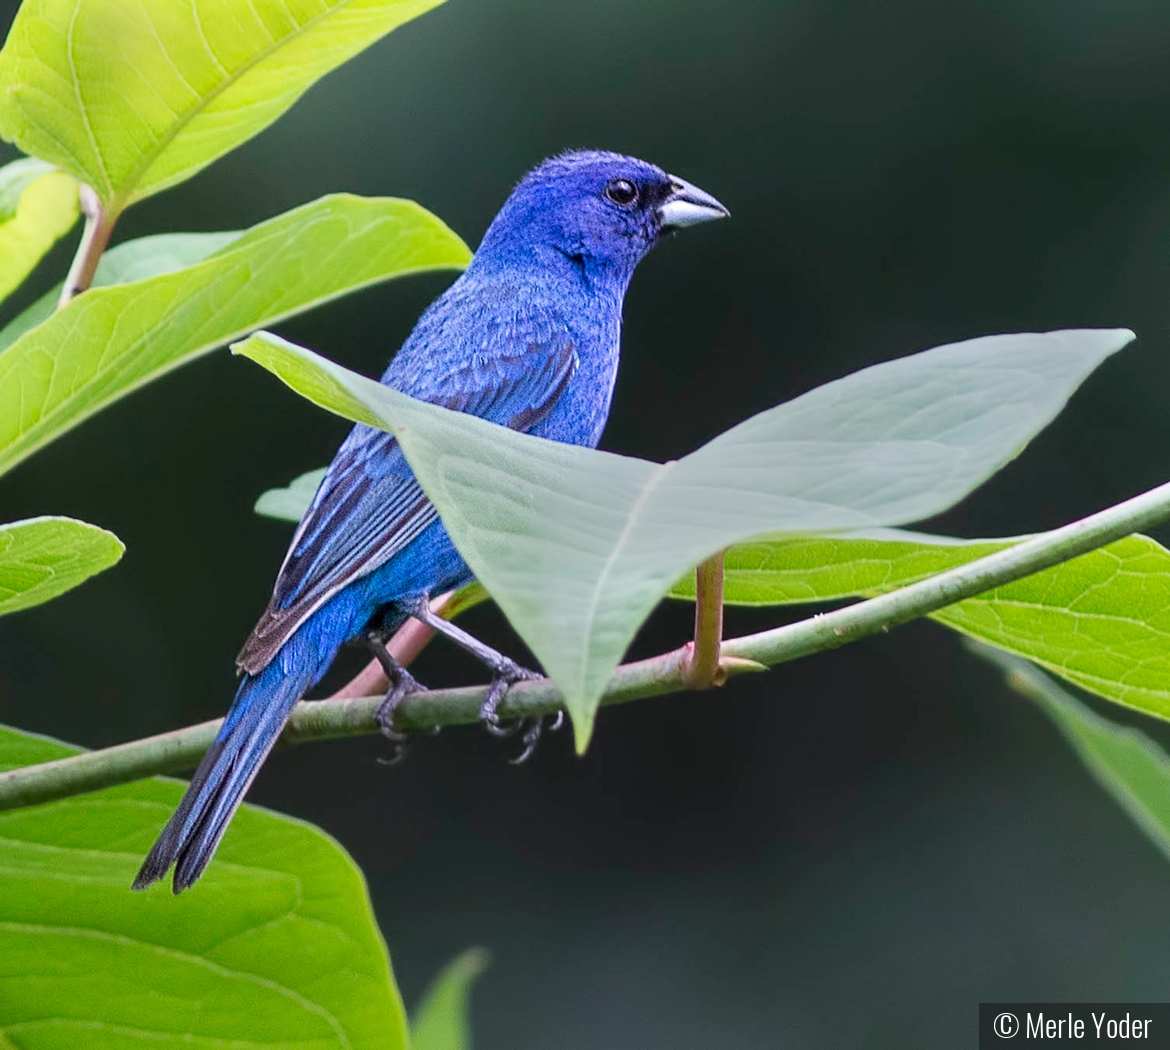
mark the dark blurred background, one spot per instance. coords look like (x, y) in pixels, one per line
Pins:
(854, 850)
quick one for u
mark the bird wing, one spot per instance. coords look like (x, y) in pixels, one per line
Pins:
(369, 506)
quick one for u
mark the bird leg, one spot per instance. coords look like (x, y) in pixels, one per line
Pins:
(402, 684)
(505, 673)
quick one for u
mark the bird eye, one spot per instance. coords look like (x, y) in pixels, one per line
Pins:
(622, 191)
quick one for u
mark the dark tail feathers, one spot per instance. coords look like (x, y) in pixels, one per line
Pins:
(253, 724)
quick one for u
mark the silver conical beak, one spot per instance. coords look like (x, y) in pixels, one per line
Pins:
(688, 205)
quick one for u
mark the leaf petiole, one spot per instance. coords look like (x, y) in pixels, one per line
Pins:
(99, 224)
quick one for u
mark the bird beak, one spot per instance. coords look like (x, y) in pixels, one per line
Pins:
(688, 205)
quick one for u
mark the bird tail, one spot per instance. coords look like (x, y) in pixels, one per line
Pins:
(252, 726)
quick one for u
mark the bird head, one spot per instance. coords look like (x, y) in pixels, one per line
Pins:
(600, 211)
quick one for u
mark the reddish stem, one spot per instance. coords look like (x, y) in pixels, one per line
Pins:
(94, 238)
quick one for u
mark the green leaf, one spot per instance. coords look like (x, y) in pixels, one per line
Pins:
(1100, 620)
(41, 558)
(290, 504)
(467, 597)
(577, 546)
(824, 568)
(1126, 762)
(442, 1020)
(276, 948)
(131, 261)
(159, 253)
(38, 206)
(112, 340)
(132, 98)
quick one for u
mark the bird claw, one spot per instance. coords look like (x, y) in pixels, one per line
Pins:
(506, 675)
(497, 690)
(500, 731)
(536, 729)
(531, 728)
(530, 739)
(403, 686)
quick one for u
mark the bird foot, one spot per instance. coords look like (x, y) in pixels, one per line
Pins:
(403, 685)
(506, 675)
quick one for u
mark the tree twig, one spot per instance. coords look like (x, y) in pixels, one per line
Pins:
(330, 719)
(1033, 555)
(315, 720)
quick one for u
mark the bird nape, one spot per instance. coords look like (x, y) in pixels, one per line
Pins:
(527, 337)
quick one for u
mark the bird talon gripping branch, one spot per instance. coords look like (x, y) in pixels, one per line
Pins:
(402, 684)
(527, 337)
(505, 674)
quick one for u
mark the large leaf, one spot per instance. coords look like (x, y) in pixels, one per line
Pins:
(577, 546)
(1101, 620)
(276, 948)
(111, 340)
(38, 205)
(41, 558)
(442, 1020)
(132, 261)
(1127, 763)
(132, 98)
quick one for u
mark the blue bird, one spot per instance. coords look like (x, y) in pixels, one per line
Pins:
(527, 337)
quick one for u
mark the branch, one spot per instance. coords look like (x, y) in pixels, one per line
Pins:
(328, 720)
(316, 720)
(830, 630)
(94, 238)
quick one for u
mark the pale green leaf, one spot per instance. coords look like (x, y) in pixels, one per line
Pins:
(41, 558)
(159, 253)
(291, 502)
(577, 546)
(442, 1020)
(15, 178)
(1101, 620)
(1126, 762)
(38, 206)
(112, 340)
(132, 98)
(275, 949)
(132, 261)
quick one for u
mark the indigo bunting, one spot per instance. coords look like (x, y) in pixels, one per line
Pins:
(527, 337)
